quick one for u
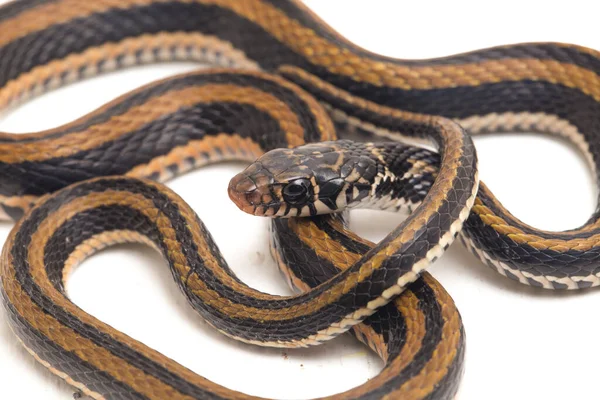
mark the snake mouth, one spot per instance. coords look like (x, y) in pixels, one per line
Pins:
(250, 198)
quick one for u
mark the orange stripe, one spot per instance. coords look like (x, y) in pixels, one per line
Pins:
(50, 74)
(322, 52)
(85, 349)
(443, 356)
(138, 116)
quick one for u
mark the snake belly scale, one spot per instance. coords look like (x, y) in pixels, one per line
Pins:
(56, 183)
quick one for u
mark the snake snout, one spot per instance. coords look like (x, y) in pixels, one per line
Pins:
(250, 197)
(242, 192)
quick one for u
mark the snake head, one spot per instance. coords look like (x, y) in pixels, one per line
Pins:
(313, 179)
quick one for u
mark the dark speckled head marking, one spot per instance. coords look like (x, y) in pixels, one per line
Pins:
(290, 182)
(312, 179)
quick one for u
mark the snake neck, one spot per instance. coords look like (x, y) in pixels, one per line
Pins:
(400, 176)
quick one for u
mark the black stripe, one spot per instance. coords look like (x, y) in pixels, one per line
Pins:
(103, 218)
(410, 128)
(362, 294)
(161, 202)
(66, 361)
(448, 386)
(402, 261)
(433, 335)
(114, 25)
(524, 257)
(302, 259)
(579, 109)
(278, 330)
(183, 235)
(464, 101)
(312, 270)
(16, 7)
(246, 328)
(509, 96)
(86, 225)
(541, 51)
(389, 321)
(141, 146)
(305, 116)
(484, 197)
(117, 24)
(169, 17)
(99, 218)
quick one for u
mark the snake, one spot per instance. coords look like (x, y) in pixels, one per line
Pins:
(286, 84)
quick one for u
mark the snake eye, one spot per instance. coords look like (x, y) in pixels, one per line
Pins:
(297, 192)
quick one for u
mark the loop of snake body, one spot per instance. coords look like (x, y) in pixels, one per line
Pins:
(81, 187)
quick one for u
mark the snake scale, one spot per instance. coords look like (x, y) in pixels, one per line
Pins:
(286, 87)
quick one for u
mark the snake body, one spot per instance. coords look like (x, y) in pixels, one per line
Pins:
(65, 227)
(171, 126)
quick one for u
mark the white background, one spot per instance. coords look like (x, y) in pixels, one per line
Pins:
(523, 343)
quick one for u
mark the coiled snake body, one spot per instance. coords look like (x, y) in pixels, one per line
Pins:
(97, 178)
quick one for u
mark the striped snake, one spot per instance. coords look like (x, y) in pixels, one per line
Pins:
(286, 80)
